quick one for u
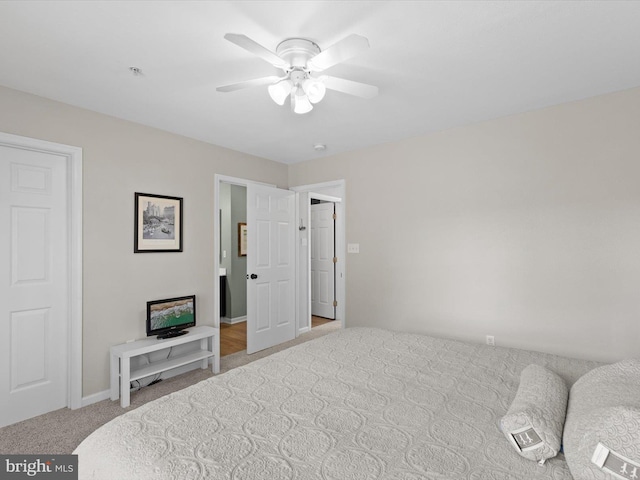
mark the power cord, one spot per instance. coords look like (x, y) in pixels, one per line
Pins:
(157, 379)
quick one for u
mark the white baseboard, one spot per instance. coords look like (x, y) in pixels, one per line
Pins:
(231, 321)
(95, 398)
(304, 330)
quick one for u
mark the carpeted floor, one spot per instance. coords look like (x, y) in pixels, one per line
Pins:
(61, 431)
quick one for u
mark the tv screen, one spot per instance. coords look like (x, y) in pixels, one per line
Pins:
(169, 317)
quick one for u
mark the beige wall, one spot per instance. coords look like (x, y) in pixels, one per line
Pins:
(525, 227)
(121, 158)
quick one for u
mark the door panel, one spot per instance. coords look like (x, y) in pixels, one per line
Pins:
(28, 346)
(271, 258)
(30, 238)
(263, 247)
(34, 293)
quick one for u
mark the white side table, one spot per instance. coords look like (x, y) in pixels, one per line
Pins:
(121, 355)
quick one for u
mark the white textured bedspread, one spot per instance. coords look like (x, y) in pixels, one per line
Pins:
(356, 404)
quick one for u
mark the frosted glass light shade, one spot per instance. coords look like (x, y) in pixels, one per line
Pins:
(280, 91)
(315, 89)
(300, 103)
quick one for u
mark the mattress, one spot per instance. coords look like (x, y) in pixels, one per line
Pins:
(359, 403)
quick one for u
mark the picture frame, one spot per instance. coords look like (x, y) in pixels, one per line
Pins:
(242, 239)
(158, 223)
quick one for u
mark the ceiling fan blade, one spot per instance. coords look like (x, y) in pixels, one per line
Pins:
(339, 52)
(257, 49)
(358, 89)
(256, 82)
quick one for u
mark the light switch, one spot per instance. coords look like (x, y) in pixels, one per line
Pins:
(353, 248)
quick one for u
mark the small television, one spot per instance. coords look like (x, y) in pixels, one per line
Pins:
(170, 317)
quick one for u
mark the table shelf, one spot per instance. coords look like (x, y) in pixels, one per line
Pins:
(122, 374)
(173, 362)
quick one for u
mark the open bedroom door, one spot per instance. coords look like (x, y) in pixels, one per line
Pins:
(270, 267)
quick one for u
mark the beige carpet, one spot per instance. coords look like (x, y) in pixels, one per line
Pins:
(61, 431)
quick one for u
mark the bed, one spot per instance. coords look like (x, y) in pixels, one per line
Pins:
(360, 403)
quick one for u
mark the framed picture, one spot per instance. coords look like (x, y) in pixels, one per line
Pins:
(242, 239)
(158, 223)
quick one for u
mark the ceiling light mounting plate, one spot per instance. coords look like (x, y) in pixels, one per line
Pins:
(297, 51)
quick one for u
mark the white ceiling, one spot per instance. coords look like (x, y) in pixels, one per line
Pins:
(438, 64)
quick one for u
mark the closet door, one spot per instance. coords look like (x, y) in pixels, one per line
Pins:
(34, 288)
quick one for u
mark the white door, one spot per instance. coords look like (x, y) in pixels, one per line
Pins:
(270, 267)
(34, 286)
(323, 275)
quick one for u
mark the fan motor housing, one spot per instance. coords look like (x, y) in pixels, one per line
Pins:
(297, 51)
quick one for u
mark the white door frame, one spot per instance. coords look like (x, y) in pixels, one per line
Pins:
(334, 191)
(218, 179)
(73, 157)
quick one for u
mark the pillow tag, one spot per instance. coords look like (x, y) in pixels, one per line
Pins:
(526, 439)
(616, 464)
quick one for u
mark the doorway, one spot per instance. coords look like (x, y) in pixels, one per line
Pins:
(333, 193)
(233, 269)
(323, 260)
(330, 192)
(270, 270)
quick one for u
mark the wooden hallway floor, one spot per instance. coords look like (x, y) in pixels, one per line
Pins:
(233, 337)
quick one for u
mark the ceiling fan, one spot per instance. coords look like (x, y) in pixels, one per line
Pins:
(300, 59)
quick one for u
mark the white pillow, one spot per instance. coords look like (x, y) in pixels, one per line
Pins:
(602, 429)
(533, 424)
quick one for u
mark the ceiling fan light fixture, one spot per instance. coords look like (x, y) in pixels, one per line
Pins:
(300, 102)
(280, 91)
(298, 58)
(315, 89)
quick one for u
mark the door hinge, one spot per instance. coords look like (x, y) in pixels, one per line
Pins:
(335, 303)
(335, 259)
(335, 215)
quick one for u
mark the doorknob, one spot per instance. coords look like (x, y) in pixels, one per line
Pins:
(253, 276)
